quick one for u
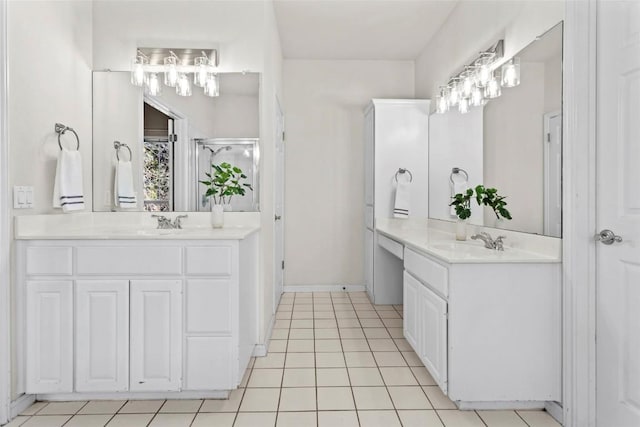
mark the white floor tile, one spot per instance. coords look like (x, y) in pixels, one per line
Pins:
(419, 419)
(17, 421)
(330, 360)
(365, 377)
(47, 421)
(402, 344)
(389, 358)
(332, 377)
(378, 419)
(33, 409)
(62, 408)
(296, 419)
(437, 398)
(302, 324)
(141, 407)
(501, 419)
(300, 346)
(298, 399)
(398, 376)
(372, 398)
(248, 419)
(102, 407)
(382, 344)
(538, 419)
(88, 420)
(453, 418)
(299, 377)
(265, 378)
(372, 323)
(300, 360)
(172, 420)
(338, 419)
(335, 398)
(376, 333)
(324, 334)
(224, 405)
(301, 334)
(422, 375)
(409, 397)
(271, 360)
(359, 359)
(279, 346)
(355, 345)
(130, 420)
(325, 323)
(280, 334)
(328, 346)
(351, 333)
(212, 419)
(260, 400)
(181, 406)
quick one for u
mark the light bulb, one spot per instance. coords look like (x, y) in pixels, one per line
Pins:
(212, 85)
(154, 88)
(492, 90)
(183, 87)
(170, 71)
(476, 97)
(463, 105)
(454, 94)
(442, 102)
(467, 84)
(201, 70)
(137, 70)
(483, 74)
(511, 73)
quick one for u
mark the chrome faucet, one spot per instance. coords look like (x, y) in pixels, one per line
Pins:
(165, 223)
(489, 243)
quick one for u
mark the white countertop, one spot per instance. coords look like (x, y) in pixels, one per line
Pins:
(441, 243)
(131, 226)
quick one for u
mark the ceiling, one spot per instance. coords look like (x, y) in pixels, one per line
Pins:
(358, 29)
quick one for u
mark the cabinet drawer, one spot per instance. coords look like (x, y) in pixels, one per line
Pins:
(120, 260)
(429, 272)
(49, 260)
(391, 245)
(209, 260)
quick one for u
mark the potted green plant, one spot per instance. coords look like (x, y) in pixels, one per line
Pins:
(462, 204)
(225, 182)
(484, 197)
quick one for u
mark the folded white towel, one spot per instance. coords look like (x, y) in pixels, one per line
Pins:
(67, 188)
(123, 192)
(458, 186)
(403, 200)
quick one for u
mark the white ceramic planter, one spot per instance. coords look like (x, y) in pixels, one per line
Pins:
(217, 216)
(461, 229)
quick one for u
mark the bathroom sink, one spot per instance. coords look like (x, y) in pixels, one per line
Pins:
(467, 248)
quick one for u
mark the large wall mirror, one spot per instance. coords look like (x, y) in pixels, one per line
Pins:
(172, 141)
(512, 143)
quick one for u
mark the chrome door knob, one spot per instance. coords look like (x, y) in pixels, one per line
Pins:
(607, 237)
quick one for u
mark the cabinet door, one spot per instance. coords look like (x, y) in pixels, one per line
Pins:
(102, 335)
(156, 331)
(49, 336)
(368, 261)
(433, 334)
(411, 288)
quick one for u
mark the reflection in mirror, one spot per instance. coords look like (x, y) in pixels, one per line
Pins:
(165, 134)
(513, 143)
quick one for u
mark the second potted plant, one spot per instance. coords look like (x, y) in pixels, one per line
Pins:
(225, 182)
(484, 197)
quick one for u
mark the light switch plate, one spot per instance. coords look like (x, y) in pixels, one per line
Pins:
(22, 197)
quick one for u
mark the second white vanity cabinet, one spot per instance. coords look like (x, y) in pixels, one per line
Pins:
(489, 333)
(113, 318)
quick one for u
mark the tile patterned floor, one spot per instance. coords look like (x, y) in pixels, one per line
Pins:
(334, 360)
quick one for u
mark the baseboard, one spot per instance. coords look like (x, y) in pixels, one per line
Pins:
(260, 350)
(469, 406)
(216, 394)
(323, 288)
(20, 404)
(555, 410)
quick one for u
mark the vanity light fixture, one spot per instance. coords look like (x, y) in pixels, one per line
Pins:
(468, 81)
(493, 90)
(176, 65)
(442, 101)
(511, 73)
(477, 98)
(463, 105)
(454, 91)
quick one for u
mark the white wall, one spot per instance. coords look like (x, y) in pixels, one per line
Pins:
(49, 61)
(476, 25)
(324, 209)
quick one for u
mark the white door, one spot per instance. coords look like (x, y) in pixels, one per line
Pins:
(411, 289)
(432, 320)
(618, 209)
(553, 174)
(49, 337)
(102, 335)
(156, 332)
(279, 209)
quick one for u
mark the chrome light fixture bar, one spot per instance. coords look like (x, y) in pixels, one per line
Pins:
(479, 81)
(176, 66)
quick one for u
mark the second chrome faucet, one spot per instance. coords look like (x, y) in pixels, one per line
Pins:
(489, 242)
(165, 223)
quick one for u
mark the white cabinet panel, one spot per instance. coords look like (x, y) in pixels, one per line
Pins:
(411, 315)
(391, 245)
(156, 331)
(209, 260)
(433, 334)
(49, 331)
(129, 260)
(208, 306)
(208, 364)
(428, 271)
(368, 261)
(102, 335)
(49, 260)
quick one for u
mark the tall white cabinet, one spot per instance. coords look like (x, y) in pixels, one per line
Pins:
(396, 137)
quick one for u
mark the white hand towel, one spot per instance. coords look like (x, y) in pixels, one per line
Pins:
(123, 192)
(456, 188)
(67, 188)
(403, 200)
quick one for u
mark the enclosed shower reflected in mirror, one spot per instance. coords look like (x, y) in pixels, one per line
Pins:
(239, 152)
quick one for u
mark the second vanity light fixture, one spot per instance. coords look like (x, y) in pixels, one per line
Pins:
(177, 68)
(479, 81)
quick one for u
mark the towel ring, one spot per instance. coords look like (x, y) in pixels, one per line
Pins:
(61, 130)
(455, 171)
(402, 171)
(118, 145)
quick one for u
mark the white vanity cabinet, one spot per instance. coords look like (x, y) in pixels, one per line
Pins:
(115, 318)
(489, 333)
